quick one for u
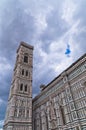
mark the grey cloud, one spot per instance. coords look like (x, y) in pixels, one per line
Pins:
(56, 27)
(16, 26)
(48, 75)
(80, 38)
(2, 110)
(81, 41)
(81, 12)
(5, 82)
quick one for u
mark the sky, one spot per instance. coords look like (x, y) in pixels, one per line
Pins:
(56, 29)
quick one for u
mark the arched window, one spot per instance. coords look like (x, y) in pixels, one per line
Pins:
(27, 113)
(23, 113)
(63, 116)
(15, 113)
(21, 87)
(20, 113)
(26, 72)
(22, 71)
(26, 58)
(26, 88)
(85, 84)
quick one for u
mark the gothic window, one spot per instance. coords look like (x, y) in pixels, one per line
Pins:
(35, 126)
(67, 118)
(53, 124)
(20, 112)
(82, 93)
(81, 114)
(16, 103)
(15, 113)
(72, 106)
(26, 88)
(65, 110)
(23, 113)
(77, 128)
(68, 90)
(63, 115)
(26, 58)
(59, 121)
(69, 97)
(21, 87)
(74, 116)
(70, 117)
(26, 72)
(84, 103)
(85, 83)
(27, 113)
(22, 103)
(22, 71)
(63, 101)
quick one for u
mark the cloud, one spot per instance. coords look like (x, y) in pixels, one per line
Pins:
(4, 65)
(1, 124)
(1, 101)
(6, 74)
(68, 10)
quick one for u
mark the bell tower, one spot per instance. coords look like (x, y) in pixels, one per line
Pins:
(19, 109)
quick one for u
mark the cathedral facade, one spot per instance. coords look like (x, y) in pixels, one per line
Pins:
(61, 105)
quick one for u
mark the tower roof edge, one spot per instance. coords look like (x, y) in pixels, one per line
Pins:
(25, 45)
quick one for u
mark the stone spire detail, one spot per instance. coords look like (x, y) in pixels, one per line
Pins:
(19, 109)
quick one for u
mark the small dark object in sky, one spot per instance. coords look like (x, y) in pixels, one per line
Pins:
(68, 51)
